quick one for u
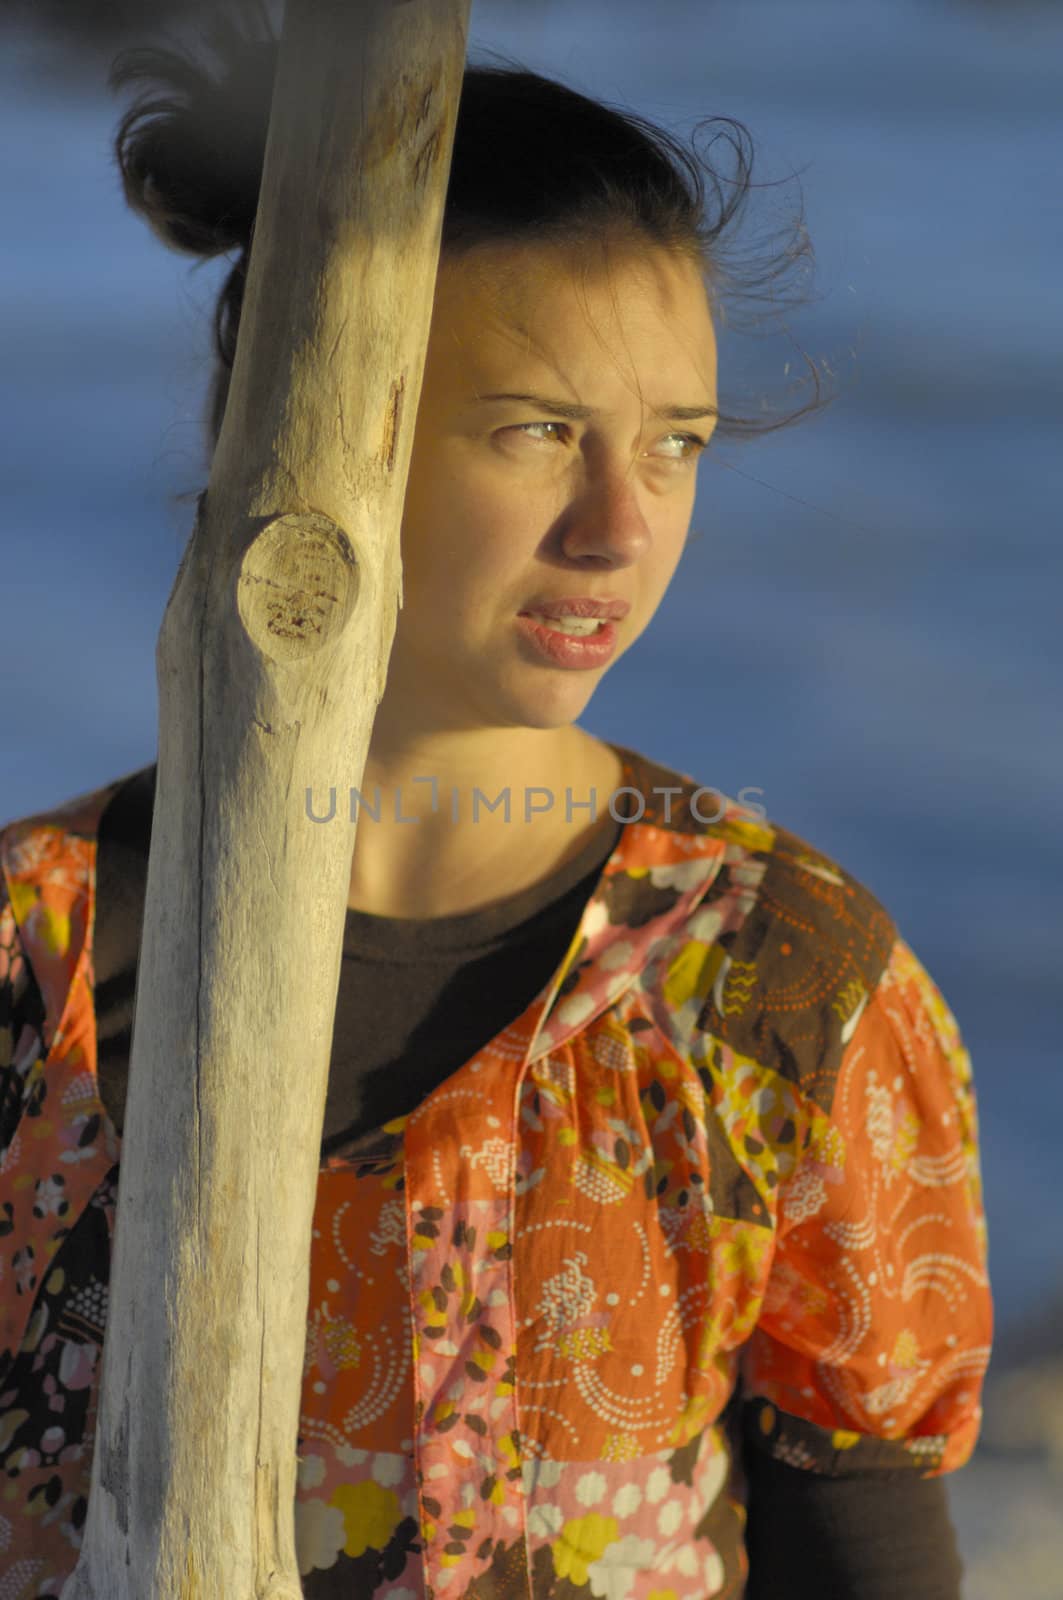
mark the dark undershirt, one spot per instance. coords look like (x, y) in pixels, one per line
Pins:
(416, 1000)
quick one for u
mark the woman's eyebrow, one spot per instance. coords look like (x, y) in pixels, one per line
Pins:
(577, 413)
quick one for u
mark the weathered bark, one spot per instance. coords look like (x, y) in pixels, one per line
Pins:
(271, 661)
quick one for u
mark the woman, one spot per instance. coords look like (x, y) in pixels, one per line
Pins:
(649, 1256)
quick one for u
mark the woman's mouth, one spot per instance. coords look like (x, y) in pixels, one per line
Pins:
(570, 642)
(578, 627)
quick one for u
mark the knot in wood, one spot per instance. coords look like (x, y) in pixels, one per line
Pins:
(297, 586)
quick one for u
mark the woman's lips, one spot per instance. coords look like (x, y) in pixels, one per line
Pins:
(579, 605)
(567, 649)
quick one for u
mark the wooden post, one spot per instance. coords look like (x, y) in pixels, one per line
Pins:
(271, 661)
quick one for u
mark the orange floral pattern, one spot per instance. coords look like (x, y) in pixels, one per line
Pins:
(720, 1182)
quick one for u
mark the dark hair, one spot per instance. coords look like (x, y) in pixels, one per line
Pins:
(190, 151)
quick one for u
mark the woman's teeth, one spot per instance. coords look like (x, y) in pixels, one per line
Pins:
(581, 626)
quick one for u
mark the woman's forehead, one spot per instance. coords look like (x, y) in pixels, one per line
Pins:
(513, 275)
(502, 302)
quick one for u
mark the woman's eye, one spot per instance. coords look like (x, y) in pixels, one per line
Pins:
(690, 447)
(523, 427)
(684, 447)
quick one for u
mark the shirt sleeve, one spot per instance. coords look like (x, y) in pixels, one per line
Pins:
(21, 1028)
(874, 1336)
(873, 1537)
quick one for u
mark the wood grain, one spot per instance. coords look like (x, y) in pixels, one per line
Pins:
(271, 661)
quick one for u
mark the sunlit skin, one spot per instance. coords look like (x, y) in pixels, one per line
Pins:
(508, 503)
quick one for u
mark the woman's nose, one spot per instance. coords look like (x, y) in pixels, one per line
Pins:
(606, 522)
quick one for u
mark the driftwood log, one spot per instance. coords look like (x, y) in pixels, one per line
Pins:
(271, 661)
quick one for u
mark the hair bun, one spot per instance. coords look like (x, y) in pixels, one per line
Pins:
(190, 149)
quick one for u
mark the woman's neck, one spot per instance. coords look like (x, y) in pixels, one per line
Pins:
(453, 826)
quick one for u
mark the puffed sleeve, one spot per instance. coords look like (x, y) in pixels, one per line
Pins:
(871, 1347)
(21, 1021)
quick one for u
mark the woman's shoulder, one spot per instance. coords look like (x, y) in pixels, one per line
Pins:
(786, 948)
(56, 845)
(789, 877)
(80, 814)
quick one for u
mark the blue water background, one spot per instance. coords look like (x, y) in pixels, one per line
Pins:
(867, 626)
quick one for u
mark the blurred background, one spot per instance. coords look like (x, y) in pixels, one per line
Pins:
(868, 622)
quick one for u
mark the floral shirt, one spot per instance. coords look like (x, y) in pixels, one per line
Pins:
(721, 1175)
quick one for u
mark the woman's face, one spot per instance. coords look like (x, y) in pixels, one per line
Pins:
(514, 504)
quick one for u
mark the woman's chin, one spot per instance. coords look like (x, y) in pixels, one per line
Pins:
(558, 707)
(538, 698)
